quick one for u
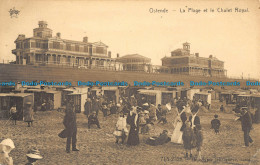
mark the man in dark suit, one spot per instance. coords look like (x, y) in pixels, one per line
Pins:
(246, 122)
(70, 124)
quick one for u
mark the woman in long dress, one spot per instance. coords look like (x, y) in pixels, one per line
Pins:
(133, 121)
(28, 114)
(179, 126)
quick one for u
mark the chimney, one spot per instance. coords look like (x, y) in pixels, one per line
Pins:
(109, 54)
(58, 34)
(197, 54)
(117, 55)
(85, 39)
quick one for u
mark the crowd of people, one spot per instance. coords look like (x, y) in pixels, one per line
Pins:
(140, 115)
(141, 118)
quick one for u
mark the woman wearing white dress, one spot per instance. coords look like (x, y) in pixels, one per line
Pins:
(179, 125)
(121, 129)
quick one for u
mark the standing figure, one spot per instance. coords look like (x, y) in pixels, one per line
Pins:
(87, 107)
(222, 109)
(96, 106)
(32, 156)
(28, 114)
(121, 129)
(215, 124)
(246, 122)
(194, 119)
(199, 139)
(152, 113)
(179, 125)
(133, 121)
(187, 137)
(70, 124)
(6, 146)
(163, 111)
(104, 109)
(14, 114)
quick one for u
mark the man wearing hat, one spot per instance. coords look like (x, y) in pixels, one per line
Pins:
(6, 146)
(32, 156)
(70, 124)
(215, 124)
(92, 119)
(87, 107)
(246, 122)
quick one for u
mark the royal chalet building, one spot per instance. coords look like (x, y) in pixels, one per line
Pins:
(183, 62)
(135, 62)
(45, 49)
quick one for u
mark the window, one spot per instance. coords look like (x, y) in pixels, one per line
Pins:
(68, 47)
(38, 44)
(39, 34)
(58, 59)
(100, 50)
(45, 45)
(85, 48)
(56, 45)
(77, 48)
(33, 44)
(26, 45)
(18, 45)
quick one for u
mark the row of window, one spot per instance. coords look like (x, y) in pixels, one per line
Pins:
(57, 45)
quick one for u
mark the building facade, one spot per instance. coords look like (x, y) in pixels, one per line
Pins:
(135, 62)
(183, 62)
(45, 49)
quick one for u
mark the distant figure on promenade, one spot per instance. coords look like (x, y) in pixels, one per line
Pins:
(70, 124)
(32, 156)
(133, 121)
(28, 114)
(215, 124)
(6, 146)
(14, 114)
(246, 122)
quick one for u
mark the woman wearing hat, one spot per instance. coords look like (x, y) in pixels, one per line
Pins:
(28, 114)
(6, 146)
(32, 156)
(133, 121)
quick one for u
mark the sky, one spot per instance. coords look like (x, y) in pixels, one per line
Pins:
(130, 27)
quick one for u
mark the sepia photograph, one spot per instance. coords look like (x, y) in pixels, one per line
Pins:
(146, 82)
